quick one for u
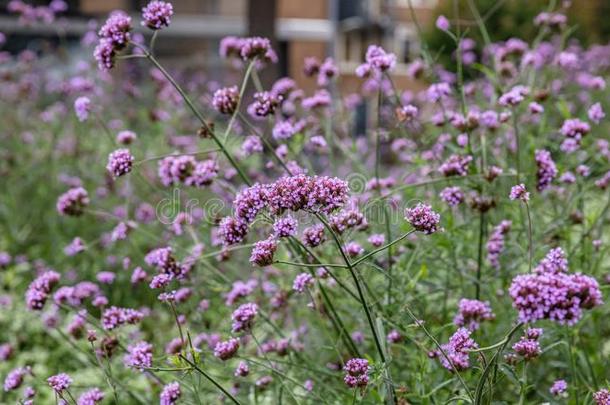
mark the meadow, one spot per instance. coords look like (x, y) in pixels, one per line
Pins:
(169, 236)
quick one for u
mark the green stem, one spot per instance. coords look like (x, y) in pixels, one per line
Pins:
(211, 379)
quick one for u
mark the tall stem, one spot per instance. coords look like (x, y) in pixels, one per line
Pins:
(529, 236)
(364, 304)
(211, 379)
(480, 255)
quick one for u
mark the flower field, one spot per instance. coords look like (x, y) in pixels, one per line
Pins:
(168, 236)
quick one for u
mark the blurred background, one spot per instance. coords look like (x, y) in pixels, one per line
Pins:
(341, 29)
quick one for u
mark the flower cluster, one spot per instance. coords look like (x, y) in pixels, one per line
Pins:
(225, 100)
(356, 373)
(157, 14)
(472, 312)
(170, 394)
(187, 170)
(423, 218)
(119, 162)
(227, 349)
(456, 355)
(456, 165)
(114, 35)
(139, 355)
(553, 294)
(38, 291)
(114, 317)
(495, 244)
(547, 170)
(243, 317)
(73, 202)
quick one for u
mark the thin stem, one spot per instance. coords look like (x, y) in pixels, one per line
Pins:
(201, 152)
(242, 90)
(386, 246)
(363, 302)
(309, 264)
(480, 256)
(529, 235)
(211, 379)
(518, 152)
(441, 350)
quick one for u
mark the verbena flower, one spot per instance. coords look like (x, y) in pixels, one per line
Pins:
(472, 312)
(120, 162)
(170, 394)
(157, 14)
(519, 192)
(356, 373)
(423, 218)
(59, 382)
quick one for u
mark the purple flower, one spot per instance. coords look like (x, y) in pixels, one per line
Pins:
(257, 47)
(126, 137)
(514, 96)
(157, 14)
(243, 317)
(394, 336)
(320, 99)
(555, 261)
(264, 104)
(495, 244)
(302, 281)
(242, 369)
(263, 251)
(596, 113)
(559, 387)
(38, 291)
(232, 230)
(119, 162)
(407, 113)
(353, 249)
(456, 165)
(347, 219)
(472, 312)
(314, 235)
(227, 349)
(14, 378)
(170, 394)
(547, 170)
(442, 23)
(116, 30)
(91, 397)
(73, 202)
(251, 145)
(59, 382)
(285, 227)
(139, 355)
(356, 373)
(377, 240)
(225, 100)
(423, 218)
(604, 181)
(457, 350)
(452, 195)
(527, 348)
(519, 192)
(328, 69)
(553, 294)
(602, 397)
(114, 317)
(82, 107)
(379, 59)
